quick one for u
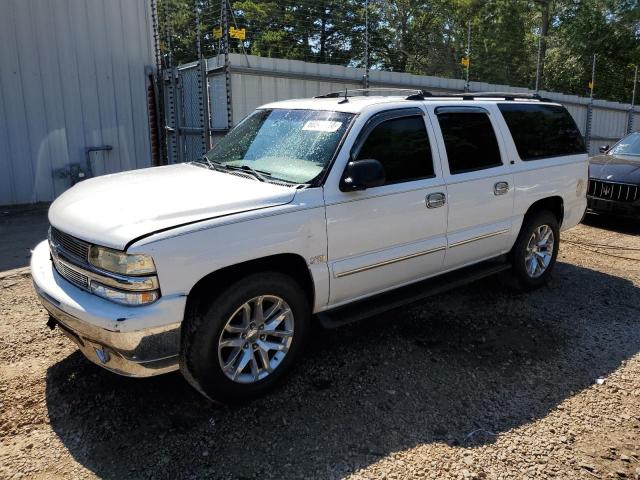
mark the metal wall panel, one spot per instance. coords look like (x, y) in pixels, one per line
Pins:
(579, 114)
(251, 91)
(217, 102)
(72, 75)
(610, 123)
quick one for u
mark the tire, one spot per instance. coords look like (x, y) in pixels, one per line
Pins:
(213, 332)
(523, 277)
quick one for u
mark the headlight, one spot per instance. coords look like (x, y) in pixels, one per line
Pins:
(120, 262)
(120, 296)
(131, 265)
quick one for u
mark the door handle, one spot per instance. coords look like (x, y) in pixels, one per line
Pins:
(500, 188)
(435, 200)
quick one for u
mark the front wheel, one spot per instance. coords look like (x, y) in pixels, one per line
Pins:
(534, 254)
(243, 342)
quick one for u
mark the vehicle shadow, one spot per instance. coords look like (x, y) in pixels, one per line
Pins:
(480, 359)
(616, 224)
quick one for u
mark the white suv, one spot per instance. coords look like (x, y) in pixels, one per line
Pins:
(330, 208)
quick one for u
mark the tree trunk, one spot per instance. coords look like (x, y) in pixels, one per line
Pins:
(323, 37)
(403, 56)
(544, 30)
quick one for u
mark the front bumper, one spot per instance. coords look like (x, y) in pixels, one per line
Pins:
(133, 341)
(613, 207)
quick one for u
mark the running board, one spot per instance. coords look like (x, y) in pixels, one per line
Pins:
(409, 294)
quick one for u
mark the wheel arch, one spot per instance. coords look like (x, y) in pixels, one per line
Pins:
(290, 264)
(554, 204)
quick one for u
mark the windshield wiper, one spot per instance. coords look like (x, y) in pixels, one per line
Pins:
(217, 165)
(211, 164)
(260, 175)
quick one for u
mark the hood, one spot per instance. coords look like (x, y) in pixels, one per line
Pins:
(615, 168)
(114, 209)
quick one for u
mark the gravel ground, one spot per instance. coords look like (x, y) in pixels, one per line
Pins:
(478, 383)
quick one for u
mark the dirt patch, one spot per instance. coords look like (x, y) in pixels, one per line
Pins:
(21, 229)
(478, 383)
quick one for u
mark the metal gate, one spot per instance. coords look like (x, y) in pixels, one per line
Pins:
(186, 112)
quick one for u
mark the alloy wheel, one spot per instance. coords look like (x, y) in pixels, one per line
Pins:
(539, 251)
(256, 339)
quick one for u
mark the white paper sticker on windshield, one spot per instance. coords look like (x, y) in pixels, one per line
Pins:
(322, 126)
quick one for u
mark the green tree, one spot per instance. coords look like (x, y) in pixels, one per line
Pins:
(609, 29)
(503, 49)
(429, 37)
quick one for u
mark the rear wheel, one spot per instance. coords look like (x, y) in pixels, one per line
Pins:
(534, 254)
(247, 339)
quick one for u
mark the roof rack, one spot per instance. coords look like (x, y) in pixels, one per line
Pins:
(353, 92)
(421, 94)
(509, 96)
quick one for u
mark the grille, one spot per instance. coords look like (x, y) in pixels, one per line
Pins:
(74, 277)
(621, 192)
(70, 244)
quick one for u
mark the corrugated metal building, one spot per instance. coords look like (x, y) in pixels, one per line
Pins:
(73, 75)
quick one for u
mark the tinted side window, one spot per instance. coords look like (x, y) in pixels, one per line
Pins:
(470, 141)
(542, 131)
(402, 146)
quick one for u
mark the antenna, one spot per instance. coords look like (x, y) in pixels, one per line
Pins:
(346, 98)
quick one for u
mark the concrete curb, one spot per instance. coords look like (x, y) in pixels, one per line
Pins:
(16, 272)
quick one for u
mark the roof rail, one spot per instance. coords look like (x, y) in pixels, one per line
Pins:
(478, 95)
(421, 94)
(353, 92)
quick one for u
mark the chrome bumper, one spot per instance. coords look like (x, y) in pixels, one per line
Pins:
(141, 353)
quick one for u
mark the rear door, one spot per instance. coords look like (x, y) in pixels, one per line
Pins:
(479, 181)
(393, 234)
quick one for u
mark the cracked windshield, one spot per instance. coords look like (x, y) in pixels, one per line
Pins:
(294, 146)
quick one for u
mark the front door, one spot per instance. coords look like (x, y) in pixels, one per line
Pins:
(393, 234)
(479, 183)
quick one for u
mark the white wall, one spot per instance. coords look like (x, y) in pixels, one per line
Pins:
(256, 81)
(72, 75)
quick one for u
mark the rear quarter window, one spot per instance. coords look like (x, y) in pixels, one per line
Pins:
(542, 131)
(469, 140)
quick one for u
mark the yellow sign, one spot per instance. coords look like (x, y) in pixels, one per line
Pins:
(465, 62)
(590, 85)
(239, 33)
(217, 33)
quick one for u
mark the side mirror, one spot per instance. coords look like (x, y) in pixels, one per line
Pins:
(604, 148)
(362, 174)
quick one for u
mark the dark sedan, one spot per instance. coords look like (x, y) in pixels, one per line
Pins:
(614, 179)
